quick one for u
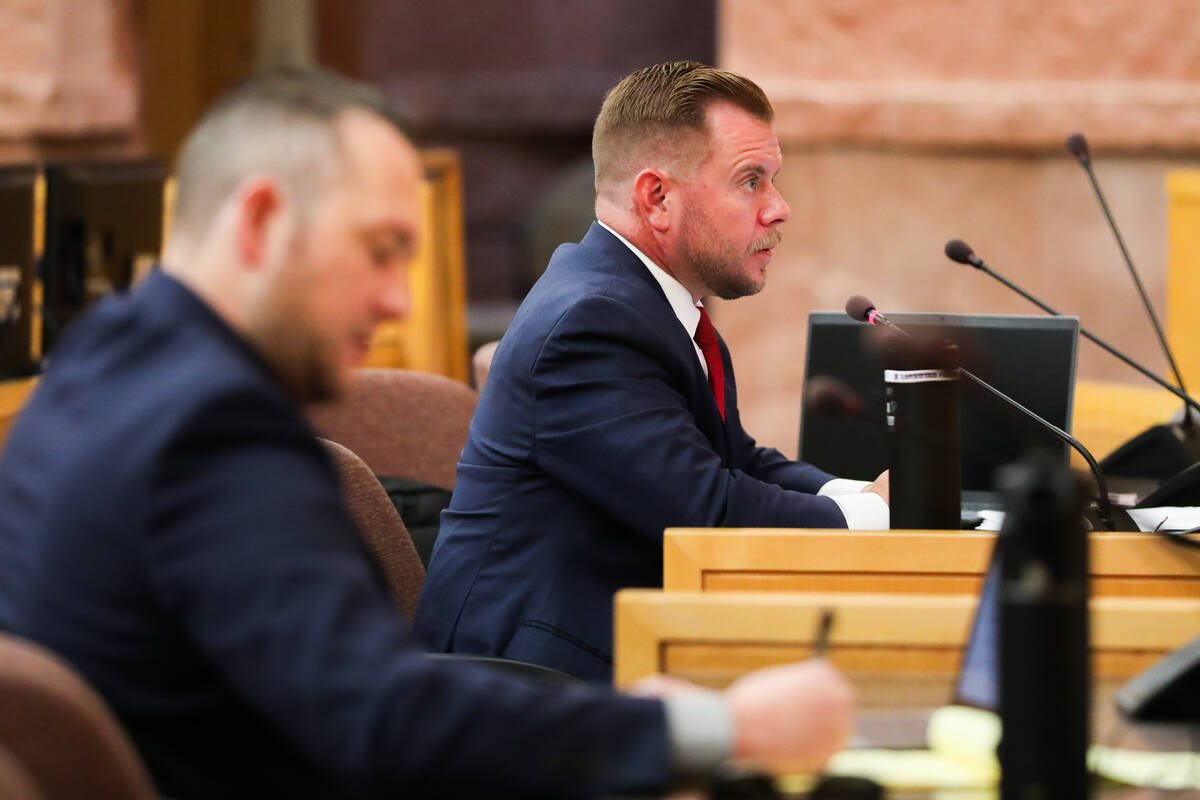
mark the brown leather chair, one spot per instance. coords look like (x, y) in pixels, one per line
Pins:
(381, 528)
(61, 732)
(402, 423)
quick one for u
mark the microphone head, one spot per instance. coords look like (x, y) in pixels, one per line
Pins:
(858, 307)
(960, 251)
(1078, 147)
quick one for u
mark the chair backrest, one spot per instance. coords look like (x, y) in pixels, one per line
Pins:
(481, 363)
(381, 528)
(402, 423)
(16, 782)
(60, 730)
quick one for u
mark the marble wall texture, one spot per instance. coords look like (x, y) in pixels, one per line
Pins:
(68, 78)
(905, 124)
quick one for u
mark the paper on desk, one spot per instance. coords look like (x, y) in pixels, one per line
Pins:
(1166, 518)
(909, 769)
(1155, 770)
(992, 520)
(962, 755)
(968, 735)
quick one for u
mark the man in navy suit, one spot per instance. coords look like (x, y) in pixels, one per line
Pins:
(170, 526)
(610, 411)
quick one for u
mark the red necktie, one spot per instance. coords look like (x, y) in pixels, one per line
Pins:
(706, 337)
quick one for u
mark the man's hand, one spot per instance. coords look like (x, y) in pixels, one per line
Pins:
(881, 487)
(796, 714)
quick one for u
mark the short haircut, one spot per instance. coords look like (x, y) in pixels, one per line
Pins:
(279, 121)
(654, 105)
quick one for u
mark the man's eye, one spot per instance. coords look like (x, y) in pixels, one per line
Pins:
(752, 184)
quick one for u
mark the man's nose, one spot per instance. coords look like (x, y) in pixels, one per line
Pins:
(395, 301)
(777, 210)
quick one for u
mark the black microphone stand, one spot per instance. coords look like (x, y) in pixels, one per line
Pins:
(1077, 145)
(982, 267)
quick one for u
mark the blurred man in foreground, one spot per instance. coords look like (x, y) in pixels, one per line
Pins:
(170, 526)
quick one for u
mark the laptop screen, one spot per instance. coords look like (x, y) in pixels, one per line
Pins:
(1029, 358)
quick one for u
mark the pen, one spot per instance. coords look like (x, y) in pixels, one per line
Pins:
(824, 628)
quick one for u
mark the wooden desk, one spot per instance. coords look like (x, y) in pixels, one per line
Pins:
(13, 395)
(904, 562)
(712, 637)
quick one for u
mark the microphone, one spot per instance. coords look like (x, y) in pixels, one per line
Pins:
(1078, 147)
(861, 309)
(863, 306)
(960, 251)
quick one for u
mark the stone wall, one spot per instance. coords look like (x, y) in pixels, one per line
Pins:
(68, 79)
(907, 124)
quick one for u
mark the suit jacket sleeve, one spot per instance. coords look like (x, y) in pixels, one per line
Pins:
(612, 423)
(254, 552)
(767, 463)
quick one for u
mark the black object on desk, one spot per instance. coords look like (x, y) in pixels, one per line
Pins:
(846, 787)
(921, 386)
(1045, 685)
(1168, 690)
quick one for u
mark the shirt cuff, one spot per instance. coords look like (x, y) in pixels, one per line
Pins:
(842, 486)
(700, 729)
(865, 511)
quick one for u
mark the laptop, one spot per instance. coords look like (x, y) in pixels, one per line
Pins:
(1029, 358)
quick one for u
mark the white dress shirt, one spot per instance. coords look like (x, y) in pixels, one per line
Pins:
(862, 510)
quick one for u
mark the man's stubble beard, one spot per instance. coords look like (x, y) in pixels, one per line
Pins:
(304, 361)
(719, 264)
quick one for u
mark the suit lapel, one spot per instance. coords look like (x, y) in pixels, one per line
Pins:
(708, 418)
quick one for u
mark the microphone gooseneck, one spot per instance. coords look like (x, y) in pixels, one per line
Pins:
(982, 267)
(1104, 505)
(1078, 147)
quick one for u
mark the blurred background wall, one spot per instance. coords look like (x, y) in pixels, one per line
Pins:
(907, 124)
(904, 124)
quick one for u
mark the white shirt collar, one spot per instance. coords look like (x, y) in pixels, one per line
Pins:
(680, 299)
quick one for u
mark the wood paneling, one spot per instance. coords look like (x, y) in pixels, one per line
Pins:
(434, 337)
(192, 50)
(1183, 271)
(13, 395)
(905, 562)
(714, 637)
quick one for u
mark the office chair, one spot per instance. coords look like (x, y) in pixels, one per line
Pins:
(402, 423)
(16, 783)
(61, 732)
(381, 528)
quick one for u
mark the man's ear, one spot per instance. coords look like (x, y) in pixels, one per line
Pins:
(653, 198)
(259, 206)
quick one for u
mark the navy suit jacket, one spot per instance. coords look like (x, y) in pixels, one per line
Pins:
(170, 526)
(596, 430)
